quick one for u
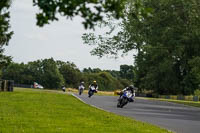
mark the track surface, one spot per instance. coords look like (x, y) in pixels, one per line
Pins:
(174, 117)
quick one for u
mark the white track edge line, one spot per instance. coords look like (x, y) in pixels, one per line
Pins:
(90, 104)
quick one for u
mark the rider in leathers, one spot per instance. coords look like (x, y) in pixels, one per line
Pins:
(94, 84)
(130, 88)
(81, 85)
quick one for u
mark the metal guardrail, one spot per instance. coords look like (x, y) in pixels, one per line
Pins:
(173, 97)
(23, 85)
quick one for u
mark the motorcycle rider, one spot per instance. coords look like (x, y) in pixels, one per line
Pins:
(63, 88)
(130, 88)
(81, 86)
(93, 87)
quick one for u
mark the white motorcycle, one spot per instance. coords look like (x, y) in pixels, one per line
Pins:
(81, 88)
(126, 97)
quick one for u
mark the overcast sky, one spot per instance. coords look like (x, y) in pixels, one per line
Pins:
(60, 40)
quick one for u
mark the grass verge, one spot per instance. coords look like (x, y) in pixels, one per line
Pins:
(37, 111)
(189, 103)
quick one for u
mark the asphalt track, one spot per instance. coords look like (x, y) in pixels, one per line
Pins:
(171, 116)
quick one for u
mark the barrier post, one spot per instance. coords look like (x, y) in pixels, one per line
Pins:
(195, 98)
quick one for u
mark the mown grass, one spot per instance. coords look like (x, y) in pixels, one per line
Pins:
(189, 103)
(30, 111)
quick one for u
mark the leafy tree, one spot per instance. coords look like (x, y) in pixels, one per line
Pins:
(44, 72)
(90, 70)
(70, 73)
(14, 71)
(114, 73)
(104, 80)
(125, 83)
(127, 72)
(35, 69)
(90, 10)
(52, 78)
(96, 70)
(195, 70)
(87, 70)
(5, 34)
(166, 40)
(4, 62)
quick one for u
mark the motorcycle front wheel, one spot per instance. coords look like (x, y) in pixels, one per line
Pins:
(90, 93)
(80, 91)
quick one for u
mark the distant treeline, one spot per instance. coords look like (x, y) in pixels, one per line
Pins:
(53, 74)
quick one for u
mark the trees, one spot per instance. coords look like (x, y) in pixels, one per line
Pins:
(110, 79)
(166, 40)
(90, 10)
(169, 41)
(5, 34)
(51, 78)
(15, 72)
(71, 74)
(44, 72)
(127, 72)
(105, 81)
(52, 74)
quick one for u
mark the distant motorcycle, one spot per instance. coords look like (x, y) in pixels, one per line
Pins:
(126, 97)
(81, 88)
(91, 91)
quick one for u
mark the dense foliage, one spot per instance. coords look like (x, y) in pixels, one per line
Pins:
(90, 10)
(44, 72)
(53, 74)
(5, 34)
(167, 41)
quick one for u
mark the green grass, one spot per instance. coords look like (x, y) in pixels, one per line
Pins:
(39, 111)
(189, 103)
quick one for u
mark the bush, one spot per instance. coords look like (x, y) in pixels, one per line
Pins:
(197, 92)
(105, 81)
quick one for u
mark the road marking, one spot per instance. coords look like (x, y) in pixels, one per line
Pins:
(89, 104)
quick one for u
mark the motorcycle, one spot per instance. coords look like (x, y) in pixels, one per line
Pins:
(91, 91)
(81, 88)
(126, 97)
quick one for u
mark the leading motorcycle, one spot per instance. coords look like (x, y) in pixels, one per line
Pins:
(126, 97)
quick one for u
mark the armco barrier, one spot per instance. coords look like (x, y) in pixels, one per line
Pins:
(189, 98)
(167, 97)
(196, 98)
(173, 97)
(180, 97)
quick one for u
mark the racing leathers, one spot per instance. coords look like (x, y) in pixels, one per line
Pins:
(93, 87)
(132, 90)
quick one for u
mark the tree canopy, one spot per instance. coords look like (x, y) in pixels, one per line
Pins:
(90, 10)
(5, 33)
(53, 74)
(167, 43)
